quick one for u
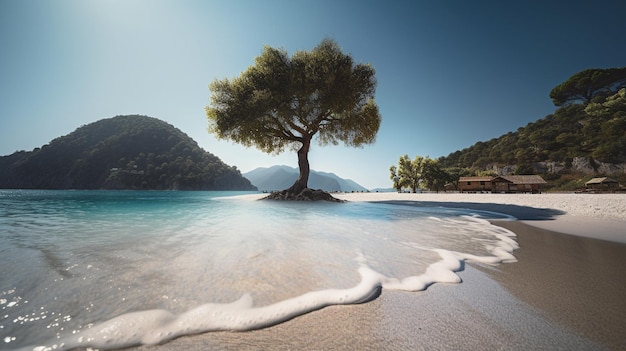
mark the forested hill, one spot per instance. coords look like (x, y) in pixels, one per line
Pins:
(589, 122)
(123, 152)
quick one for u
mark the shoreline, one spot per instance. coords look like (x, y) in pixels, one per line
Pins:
(576, 281)
(570, 264)
(598, 216)
(571, 256)
(565, 292)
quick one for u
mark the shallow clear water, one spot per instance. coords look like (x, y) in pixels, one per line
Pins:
(74, 263)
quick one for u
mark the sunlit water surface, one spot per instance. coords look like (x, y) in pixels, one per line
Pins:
(113, 269)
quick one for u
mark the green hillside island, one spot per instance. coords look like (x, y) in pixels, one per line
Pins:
(123, 152)
(585, 137)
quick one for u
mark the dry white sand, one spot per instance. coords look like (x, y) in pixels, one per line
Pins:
(600, 216)
(604, 206)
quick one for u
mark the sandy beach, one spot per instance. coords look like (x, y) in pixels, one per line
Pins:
(564, 293)
(599, 216)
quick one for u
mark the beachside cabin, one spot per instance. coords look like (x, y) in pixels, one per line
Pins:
(518, 184)
(602, 184)
(502, 184)
(475, 184)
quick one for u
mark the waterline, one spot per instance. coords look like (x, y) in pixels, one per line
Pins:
(116, 271)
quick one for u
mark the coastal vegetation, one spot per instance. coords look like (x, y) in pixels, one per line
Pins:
(421, 172)
(123, 152)
(584, 138)
(285, 102)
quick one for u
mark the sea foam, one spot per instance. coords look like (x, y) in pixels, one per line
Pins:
(142, 272)
(158, 326)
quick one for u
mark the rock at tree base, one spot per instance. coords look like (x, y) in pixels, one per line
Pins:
(305, 195)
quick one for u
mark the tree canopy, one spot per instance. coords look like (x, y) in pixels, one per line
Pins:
(408, 174)
(585, 85)
(595, 130)
(421, 172)
(284, 102)
(123, 152)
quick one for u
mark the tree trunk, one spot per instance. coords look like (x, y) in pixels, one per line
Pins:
(299, 190)
(303, 163)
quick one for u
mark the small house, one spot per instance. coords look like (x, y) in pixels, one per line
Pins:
(602, 184)
(502, 184)
(475, 184)
(518, 184)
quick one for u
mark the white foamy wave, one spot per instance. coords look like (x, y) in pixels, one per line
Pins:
(157, 326)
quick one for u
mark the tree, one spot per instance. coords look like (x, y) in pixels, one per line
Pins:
(283, 101)
(393, 170)
(585, 85)
(419, 172)
(612, 105)
(434, 177)
(454, 174)
(610, 135)
(409, 173)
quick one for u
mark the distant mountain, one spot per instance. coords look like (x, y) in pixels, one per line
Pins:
(123, 152)
(282, 177)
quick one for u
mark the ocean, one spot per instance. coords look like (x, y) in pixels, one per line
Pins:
(114, 269)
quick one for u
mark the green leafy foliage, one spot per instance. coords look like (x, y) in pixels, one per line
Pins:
(590, 124)
(284, 102)
(123, 152)
(410, 172)
(588, 84)
(420, 173)
(423, 173)
(596, 130)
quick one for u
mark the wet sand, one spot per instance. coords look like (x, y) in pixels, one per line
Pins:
(565, 293)
(578, 282)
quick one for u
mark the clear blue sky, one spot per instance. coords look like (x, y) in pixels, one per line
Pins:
(450, 73)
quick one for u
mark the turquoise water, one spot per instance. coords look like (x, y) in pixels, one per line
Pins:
(112, 269)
